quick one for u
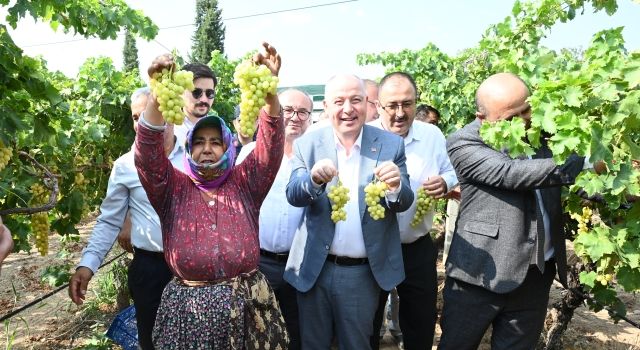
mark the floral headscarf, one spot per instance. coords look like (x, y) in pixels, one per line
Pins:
(222, 167)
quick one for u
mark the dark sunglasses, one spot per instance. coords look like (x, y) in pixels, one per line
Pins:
(197, 93)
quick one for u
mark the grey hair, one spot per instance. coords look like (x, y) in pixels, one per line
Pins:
(146, 91)
(302, 92)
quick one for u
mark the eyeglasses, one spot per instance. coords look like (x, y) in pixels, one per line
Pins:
(197, 93)
(289, 112)
(392, 108)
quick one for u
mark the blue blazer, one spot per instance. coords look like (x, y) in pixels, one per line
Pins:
(381, 237)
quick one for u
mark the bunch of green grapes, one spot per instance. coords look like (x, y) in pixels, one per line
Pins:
(339, 196)
(40, 228)
(168, 87)
(424, 204)
(5, 155)
(583, 219)
(255, 82)
(373, 192)
(40, 221)
(80, 181)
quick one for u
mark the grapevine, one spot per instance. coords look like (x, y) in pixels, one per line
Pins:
(168, 87)
(5, 155)
(425, 203)
(255, 81)
(339, 196)
(374, 191)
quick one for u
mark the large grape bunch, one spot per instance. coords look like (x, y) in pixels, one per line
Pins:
(5, 155)
(168, 87)
(425, 204)
(373, 192)
(339, 196)
(255, 82)
(40, 221)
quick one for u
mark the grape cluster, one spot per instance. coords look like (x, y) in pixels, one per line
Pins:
(168, 87)
(583, 219)
(424, 204)
(80, 181)
(5, 155)
(373, 192)
(339, 196)
(40, 221)
(255, 83)
(604, 279)
(40, 228)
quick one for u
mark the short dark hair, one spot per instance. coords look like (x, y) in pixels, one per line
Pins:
(402, 75)
(424, 108)
(201, 70)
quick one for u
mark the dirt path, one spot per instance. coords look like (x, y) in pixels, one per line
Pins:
(56, 323)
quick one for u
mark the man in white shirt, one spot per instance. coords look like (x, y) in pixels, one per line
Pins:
(279, 220)
(148, 272)
(339, 268)
(429, 167)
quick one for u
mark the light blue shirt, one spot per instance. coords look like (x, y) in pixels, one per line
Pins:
(125, 193)
(426, 152)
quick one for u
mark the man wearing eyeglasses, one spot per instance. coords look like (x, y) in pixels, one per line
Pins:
(429, 167)
(279, 220)
(197, 103)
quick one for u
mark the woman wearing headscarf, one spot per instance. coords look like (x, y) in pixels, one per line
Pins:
(209, 216)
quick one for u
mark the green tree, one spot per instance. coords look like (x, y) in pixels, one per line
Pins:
(130, 52)
(209, 34)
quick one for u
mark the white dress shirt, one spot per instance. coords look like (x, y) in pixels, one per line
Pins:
(348, 240)
(278, 219)
(181, 130)
(245, 151)
(426, 152)
(125, 192)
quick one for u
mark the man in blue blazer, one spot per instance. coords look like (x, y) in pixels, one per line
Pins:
(338, 269)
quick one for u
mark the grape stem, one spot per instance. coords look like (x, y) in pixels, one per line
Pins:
(53, 197)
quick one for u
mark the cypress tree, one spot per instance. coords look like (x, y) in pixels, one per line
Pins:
(209, 33)
(130, 52)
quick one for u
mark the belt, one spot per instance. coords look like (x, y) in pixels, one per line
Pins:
(346, 261)
(279, 257)
(155, 255)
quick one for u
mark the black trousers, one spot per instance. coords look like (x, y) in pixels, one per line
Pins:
(517, 317)
(417, 293)
(286, 295)
(148, 275)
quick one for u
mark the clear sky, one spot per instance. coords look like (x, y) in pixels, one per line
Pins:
(318, 42)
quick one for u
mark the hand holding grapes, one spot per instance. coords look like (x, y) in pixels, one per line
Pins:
(389, 173)
(435, 186)
(323, 171)
(167, 86)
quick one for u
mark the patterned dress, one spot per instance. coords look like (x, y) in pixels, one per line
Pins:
(218, 300)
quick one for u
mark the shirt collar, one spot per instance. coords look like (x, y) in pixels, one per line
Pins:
(356, 145)
(412, 135)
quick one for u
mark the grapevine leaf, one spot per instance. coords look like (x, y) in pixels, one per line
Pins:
(629, 278)
(605, 296)
(600, 142)
(596, 242)
(630, 104)
(588, 278)
(632, 75)
(573, 96)
(591, 183)
(607, 92)
(624, 177)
